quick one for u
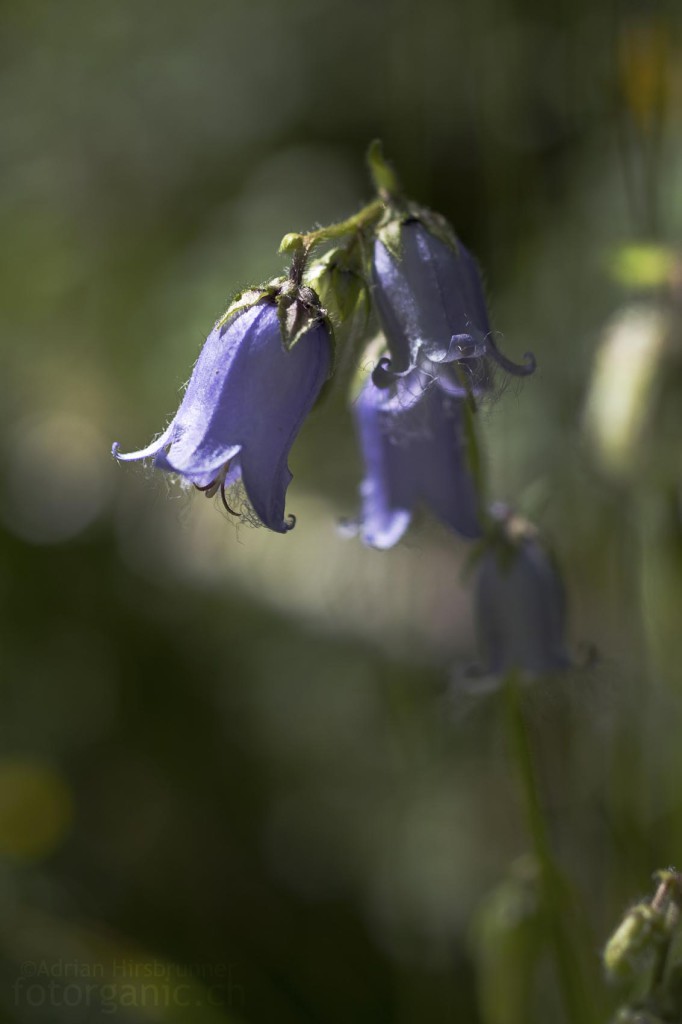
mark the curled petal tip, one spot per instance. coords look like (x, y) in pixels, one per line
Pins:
(289, 522)
(382, 376)
(114, 449)
(530, 362)
(515, 369)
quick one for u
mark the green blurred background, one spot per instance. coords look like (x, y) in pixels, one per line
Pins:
(249, 757)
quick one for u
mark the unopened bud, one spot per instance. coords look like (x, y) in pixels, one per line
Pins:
(645, 929)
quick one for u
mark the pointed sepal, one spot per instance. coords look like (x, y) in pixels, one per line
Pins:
(338, 279)
(299, 309)
(246, 299)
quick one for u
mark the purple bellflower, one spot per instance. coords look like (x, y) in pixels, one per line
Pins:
(429, 298)
(414, 443)
(244, 405)
(520, 602)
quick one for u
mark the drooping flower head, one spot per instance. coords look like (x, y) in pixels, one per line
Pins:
(414, 436)
(520, 601)
(256, 379)
(430, 302)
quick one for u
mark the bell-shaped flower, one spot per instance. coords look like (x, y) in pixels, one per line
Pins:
(520, 602)
(414, 441)
(429, 298)
(244, 405)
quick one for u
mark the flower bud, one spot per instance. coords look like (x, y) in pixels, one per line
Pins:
(645, 930)
(520, 601)
(508, 937)
(633, 946)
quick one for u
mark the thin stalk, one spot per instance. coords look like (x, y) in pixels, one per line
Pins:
(359, 220)
(660, 965)
(568, 969)
(666, 901)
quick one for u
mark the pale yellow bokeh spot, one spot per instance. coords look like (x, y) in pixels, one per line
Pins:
(622, 391)
(645, 266)
(36, 809)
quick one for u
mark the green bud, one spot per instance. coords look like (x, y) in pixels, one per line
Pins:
(632, 948)
(646, 929)
(508, 937)
(291, 242)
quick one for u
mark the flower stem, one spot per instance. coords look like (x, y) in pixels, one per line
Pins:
(384, 177)
(474, 456)
(359, 220)
(559, 911)
(666, 901)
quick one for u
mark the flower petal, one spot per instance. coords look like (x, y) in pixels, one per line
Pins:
(207, 422)
(386, 502)
(447, 485)
(151, 449)
(429, 297)
(274, 397)
(413, 446)
(521, 612)
(392, 296)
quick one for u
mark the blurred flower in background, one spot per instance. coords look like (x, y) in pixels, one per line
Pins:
(520, 601)
(233, 750)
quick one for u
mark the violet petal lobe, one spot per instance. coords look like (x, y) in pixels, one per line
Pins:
(520, 611)
(428, 295)
(275, 397)
(208, 429)
(413, 446)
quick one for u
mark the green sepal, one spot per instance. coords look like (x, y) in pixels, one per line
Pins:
(436, 224)
(390, 235)
(338, 279)
(299, 310)
(248, 298)
(383, 175)
(389, 229)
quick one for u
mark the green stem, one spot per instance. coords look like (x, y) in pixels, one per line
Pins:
(384, 177)
(660, 965)
(665, 901)
(359, 220)
(473, 449)
(568, 968)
